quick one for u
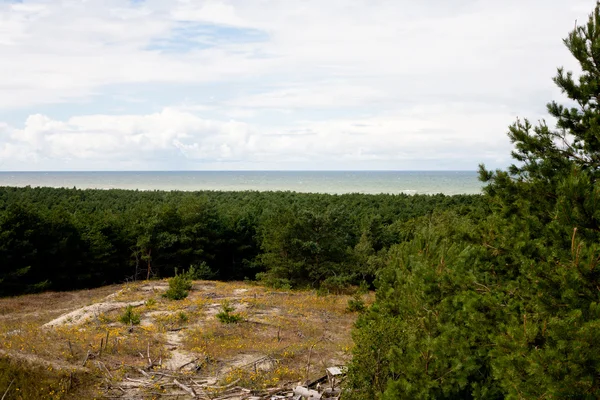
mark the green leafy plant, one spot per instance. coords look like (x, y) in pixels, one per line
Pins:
(226, 314)
(179, 287)
(130, 317)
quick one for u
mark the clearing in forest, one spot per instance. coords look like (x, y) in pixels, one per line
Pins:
(85, 350)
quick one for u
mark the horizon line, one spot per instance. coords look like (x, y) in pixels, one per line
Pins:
(251, 170)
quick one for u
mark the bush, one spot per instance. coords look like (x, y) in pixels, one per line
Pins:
(150, 303)
(130, 317)
(271, 281)
(338, 284)
(182, 316)
(356, 304)
(179, 285)
(200, 272)
(226, 315)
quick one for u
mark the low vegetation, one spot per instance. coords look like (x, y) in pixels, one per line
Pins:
(130, 317)
(179, 287)
(227, 315)
(267, 347)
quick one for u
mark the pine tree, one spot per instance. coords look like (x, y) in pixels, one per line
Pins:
(549, 203)
(558, 168)
(508, 307)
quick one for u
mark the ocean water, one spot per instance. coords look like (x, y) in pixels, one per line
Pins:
(334, 182)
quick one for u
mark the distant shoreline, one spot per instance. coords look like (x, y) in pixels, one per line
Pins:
(329, 182)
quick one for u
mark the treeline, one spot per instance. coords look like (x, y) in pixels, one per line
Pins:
(61, 239)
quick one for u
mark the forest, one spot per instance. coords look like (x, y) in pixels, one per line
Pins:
(493, 296)
(63, 239)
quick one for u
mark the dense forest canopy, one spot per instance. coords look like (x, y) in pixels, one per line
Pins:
(60, 239)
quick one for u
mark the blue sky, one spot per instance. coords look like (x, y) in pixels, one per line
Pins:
(274, 84)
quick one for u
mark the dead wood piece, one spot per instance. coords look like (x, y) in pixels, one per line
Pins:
(232, 384)
(144, 383)
(188, 363)
(188, 389)
(102, 366)
(228, 396)
(71, 349)
(164, 374)
(87, 357)
(7, 389)
(148, 354)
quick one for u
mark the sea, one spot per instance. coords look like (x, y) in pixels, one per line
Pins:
(333, 182)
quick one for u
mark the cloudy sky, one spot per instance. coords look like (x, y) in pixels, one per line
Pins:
(274, 84)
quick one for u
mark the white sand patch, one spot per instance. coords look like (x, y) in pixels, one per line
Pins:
(161, 287)
(148, 318)
(212, 309)
(112, 296)
(83, 314)
(180, 359)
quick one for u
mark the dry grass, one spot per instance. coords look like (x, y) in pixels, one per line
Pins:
(281, 331)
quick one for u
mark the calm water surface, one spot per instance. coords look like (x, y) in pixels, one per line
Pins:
(335, 182)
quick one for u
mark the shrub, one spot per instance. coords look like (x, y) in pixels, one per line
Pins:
(130, 317)
(338, 284)
(273, 282)
(356, 304)
(226, 314)
(179, 285)
(182, 316)
(200, 272)
(150, 303)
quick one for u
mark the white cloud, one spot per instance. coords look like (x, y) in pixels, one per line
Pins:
(412, 137)
(328, 84)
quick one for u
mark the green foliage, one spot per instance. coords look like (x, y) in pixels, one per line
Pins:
(179, 287)
(200, 272)
(182, 316)
(61, 239)
(130, 317)
(503, 303)
(427, 334)
(227, 315)
(356, 303)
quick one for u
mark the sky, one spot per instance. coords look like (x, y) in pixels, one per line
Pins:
(275, 84)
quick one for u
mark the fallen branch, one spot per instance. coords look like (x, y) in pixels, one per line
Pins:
(186, 388)
(188, 363)
(148, 354)
(88, 355)
(101, 365)
(7, 389)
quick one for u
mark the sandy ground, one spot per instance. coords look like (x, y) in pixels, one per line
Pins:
(181, 349)
(83, 314)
